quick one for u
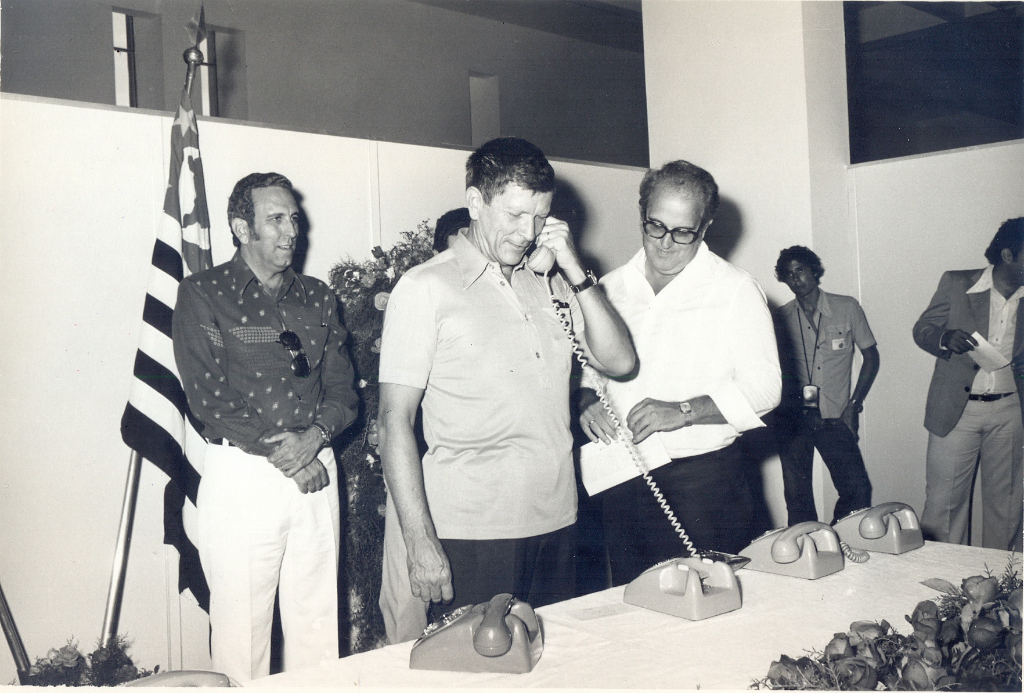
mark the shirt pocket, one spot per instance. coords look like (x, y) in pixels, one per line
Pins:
(838, 337)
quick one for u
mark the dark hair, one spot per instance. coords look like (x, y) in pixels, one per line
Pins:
(505, 160)
(1010, 235)
(240, 205)
(681, 175)
(449, 224)
(800, 254)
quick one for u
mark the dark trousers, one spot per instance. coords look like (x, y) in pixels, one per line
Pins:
(539, 570)
(801, 434)
(708, 494)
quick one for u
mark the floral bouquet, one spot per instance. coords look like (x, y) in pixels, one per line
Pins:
(363, 289)
(969, 640)
(106, 666)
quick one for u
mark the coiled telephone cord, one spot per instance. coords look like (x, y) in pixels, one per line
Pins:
(621, 432)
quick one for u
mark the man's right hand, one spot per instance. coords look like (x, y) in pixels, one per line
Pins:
(430, 574)
(958, 341)
(312, 478)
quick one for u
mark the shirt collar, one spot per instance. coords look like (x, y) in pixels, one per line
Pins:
(823, 305)
(984, 282)
(243, 276)
(472, 263)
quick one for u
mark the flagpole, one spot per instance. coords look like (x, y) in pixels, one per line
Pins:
(14, 639)
(193, 57)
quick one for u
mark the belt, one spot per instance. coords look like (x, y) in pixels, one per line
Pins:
(221, 441)
(989, 397)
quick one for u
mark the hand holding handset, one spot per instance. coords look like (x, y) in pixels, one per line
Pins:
(500, 636)
(808, 550)
(886, 528)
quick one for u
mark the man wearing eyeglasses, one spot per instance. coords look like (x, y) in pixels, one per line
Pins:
(472, 338)
(261, 354)
(709, 369)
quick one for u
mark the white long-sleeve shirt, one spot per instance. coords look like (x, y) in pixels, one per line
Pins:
(709, 332)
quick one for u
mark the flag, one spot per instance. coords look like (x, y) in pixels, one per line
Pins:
(157, 422)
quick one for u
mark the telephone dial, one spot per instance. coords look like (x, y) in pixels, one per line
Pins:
(694, 588)
(807, 550)
(886, 528)
(501, 636)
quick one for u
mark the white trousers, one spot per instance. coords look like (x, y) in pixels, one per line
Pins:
(989, 437)
(259, 536)
(405, 615)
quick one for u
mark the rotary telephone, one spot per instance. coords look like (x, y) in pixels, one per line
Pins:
(695, 587)
(887, 528)
(501, 636)
(808, 550)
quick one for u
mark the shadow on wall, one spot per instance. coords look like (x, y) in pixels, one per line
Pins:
(302, 240)
(568, 206)
(724, 234)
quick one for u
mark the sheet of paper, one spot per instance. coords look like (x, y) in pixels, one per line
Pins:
(986, 355)
(603, 466)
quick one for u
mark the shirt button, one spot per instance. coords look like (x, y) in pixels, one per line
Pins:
(537, 354)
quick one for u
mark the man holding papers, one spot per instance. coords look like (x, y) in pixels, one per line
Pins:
(973, 414)
(708, 370)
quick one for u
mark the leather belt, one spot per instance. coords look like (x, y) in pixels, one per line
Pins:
(221, 441)
(989, 397)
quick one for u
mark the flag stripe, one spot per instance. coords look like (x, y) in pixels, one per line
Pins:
(161, 379)
(158, 315)
(160, 448)
(167, 259)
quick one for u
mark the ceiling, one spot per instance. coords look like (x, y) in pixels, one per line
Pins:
(613, 23)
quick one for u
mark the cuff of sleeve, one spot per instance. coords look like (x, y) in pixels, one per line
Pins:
(735, 408)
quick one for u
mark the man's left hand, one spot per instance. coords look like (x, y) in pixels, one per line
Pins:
(558, 239)
(294, 450)
(652, 415)
(851, 418)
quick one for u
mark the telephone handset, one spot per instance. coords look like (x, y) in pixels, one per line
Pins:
(807, 550)
(501, 636)
(541, 260)
(887, 528)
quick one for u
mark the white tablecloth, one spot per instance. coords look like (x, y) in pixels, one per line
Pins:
(597, 641)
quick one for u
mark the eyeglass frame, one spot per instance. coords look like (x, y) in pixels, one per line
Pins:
(694, 234)
(300, 362)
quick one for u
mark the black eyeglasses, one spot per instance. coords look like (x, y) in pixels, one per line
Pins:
(655, 229)
(300, 364)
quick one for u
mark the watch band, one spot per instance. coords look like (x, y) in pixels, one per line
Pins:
(590, 281)
(323, 432)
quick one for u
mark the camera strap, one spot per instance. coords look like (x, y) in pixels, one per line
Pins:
(803, 342)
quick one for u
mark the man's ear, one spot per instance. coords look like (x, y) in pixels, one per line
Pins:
(240, 227)
(1006, 256)
(474, 202)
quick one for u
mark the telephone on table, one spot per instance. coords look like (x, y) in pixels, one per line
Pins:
(693, 588)
(501, 636)
(808, 550)
(886, 528)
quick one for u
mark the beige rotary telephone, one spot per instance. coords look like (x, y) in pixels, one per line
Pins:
(501, 636)
(886, 528)
(808, 550)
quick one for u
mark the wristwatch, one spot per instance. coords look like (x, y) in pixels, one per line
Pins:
(323, 432)
(590, 281)
(687, 413)
(857, 406)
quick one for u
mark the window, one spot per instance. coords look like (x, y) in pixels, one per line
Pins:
(125, 86)
(207, 76)
(484, 110)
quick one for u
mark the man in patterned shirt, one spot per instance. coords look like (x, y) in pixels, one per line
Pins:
(261, 353)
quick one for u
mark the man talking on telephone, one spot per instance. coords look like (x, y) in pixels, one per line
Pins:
(472, 337)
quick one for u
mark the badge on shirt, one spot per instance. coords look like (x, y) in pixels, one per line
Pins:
(839, 344)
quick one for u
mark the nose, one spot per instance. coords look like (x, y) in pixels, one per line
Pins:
(292, 228)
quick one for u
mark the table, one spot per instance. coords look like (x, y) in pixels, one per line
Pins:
(597, 641)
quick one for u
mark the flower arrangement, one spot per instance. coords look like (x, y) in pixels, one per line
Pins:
(106, 666)
(967, 640)
(363, 289)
